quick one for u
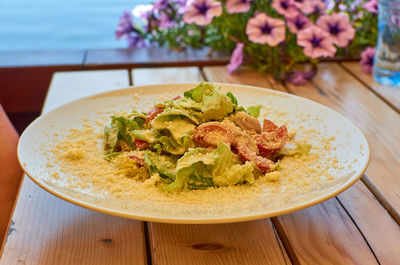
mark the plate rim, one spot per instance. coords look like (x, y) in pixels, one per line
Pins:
(196, 220)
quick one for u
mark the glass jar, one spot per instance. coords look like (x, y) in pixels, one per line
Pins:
(387, 55)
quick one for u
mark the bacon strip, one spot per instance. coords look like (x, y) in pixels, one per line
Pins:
(264, 164)
(153, 113)
(209, 134)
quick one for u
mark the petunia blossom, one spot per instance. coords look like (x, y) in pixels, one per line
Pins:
(339, 27)
(237, 6)
(265, 30)
(125, 25)
(371, 6)
(298, 23)
(136, 41)
(367, 60)
(306, 6)
(320, 6)
(316, 42)
(201, 12)
(236, 58)
(161, 5)
(286, 8)
(164, 21)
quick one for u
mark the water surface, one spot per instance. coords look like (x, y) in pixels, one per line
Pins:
(61, 24)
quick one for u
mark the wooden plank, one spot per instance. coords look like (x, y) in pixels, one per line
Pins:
(324, 234)
(244, 76)
(378, 228)
(390, 93)
(165, 75)
(305, 231)
(152, 57)
(242, 243)
(239, 243)
(69, 86)
(48, 230)
(337, 89)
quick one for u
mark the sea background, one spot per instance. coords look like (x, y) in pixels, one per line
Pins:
(31, 25)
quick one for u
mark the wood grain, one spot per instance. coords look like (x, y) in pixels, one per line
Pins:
(378, 228)
(244, 76)
(242, 243)
(48, 230)
(68, 86)
(336, 88)
(324, 234)
(376, 225)
(306, 231)
(390, 93)
(152, 57)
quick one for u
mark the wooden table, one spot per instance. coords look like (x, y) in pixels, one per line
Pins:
(359, 226)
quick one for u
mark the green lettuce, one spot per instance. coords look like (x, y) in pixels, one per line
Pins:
(299, 149)
(199, 92)
(227, 171)
(170, 145)
(144, 135)
(254, 111)
(200, 168)
(162, 164)
(216, 106)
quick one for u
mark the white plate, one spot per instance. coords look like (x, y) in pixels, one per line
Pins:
(343, 149)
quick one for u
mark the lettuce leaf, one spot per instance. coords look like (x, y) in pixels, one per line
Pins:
(200, 168)
(232, 98)
(162, 164)
(144, 135)
(227, 171)
(198, 92)
(216, 106)
(254, 111)
(299, 149)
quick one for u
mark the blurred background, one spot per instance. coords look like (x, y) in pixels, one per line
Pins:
(27, 25)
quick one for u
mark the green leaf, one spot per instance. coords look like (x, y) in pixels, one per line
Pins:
(111, 155)
(300, 149)
(162, 164)
(233, 98)
(216, 106)
(254, 111)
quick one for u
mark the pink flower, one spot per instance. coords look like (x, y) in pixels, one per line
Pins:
(316, 42)
(125, 25)
(367, 60)
(264, 29)
(338, 25)
(306, 6)
(160, 5)
(165, 21)
(371, 6)
(237, 6)
(285, 7)
(134, 40)
(298, 23)
(236, 58)
(320, 7)
(201, 12)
